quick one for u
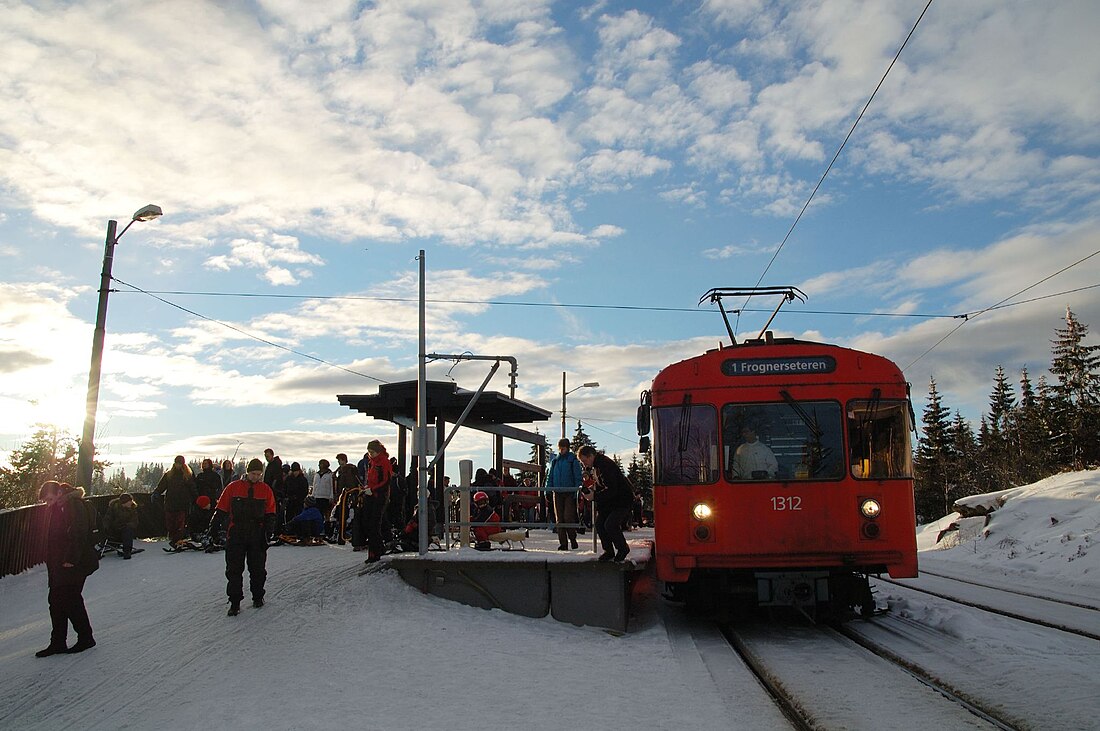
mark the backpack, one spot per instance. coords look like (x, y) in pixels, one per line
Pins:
(95, 526)
(397, 484)
(89, 555)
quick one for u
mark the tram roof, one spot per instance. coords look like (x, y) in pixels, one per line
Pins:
(396, 402)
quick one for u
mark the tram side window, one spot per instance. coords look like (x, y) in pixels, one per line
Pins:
(685, 445)
(797, 440)
(878, 434)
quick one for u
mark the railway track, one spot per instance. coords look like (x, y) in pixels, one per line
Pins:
(823, 678)
(1083, 605)
(1075, 618)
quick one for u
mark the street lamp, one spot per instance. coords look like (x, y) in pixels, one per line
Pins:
(87, 448)
(564, 393)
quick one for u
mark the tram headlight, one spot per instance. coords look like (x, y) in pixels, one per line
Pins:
(870, 508)
(701, 511)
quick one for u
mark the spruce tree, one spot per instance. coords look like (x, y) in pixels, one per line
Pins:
(964, 458)
(998, 452)
(1076, 366)
(1030, 445)
(581, 439)
(640, 474)
(933, 461)
(1001, 402)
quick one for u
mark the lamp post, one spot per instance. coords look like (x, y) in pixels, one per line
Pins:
(87, 447)
(564, 393)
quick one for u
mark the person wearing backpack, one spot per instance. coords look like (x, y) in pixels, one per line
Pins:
(249, 506)
(70, 558)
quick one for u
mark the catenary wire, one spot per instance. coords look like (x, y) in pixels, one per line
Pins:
(840, 149)
(248, 334)
(509, 303)
(590, 425)
(566, 305)
(1001, 304)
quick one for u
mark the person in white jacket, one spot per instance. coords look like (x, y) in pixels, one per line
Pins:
(753, 460)
(321, 492)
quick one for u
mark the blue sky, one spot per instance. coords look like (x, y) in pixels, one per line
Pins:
(607, 153)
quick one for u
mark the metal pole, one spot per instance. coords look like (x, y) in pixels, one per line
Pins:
(86, 455)
(420, 437)
(563, 404)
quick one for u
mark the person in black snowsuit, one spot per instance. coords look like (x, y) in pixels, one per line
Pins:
(208, 483)
(275, 478)
(121, 522)
(297, 488)
(70, 559)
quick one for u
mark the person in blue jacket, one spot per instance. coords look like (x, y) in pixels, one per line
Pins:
(307, 525)
(565, 479)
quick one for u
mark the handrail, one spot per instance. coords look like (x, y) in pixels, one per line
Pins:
(465, 527)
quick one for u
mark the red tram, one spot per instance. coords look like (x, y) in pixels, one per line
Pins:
(782, 472)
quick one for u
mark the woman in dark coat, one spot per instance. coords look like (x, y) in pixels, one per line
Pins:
(614, 498)
(70, 558)
(297, 488)
(177, 485)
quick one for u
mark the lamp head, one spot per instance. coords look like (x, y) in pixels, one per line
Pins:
(147, 213)
(591, 384)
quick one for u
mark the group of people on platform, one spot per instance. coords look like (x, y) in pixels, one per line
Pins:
(268, 498)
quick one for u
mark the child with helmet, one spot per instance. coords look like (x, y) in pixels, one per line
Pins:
(483, 513)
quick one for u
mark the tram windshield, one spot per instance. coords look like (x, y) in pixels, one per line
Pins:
(685, 445)
(793, 440)
(878, 433)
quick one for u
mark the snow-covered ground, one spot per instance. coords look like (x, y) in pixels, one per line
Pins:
(334, 648)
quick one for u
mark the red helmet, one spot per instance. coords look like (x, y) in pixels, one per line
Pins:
(481, 495)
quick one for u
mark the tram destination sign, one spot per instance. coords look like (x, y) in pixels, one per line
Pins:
(800, 365)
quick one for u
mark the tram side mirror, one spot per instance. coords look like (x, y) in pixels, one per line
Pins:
(643, 420)
(643, 445)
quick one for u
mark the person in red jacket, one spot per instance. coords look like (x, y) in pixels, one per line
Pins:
(483, 512)
(249, 506)
(373, 500)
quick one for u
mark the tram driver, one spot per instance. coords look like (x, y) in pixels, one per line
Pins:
(753, 459)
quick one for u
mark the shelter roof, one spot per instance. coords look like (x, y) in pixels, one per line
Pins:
(396, 402)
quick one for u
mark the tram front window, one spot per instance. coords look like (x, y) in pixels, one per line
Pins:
(793, 440)
(685, 445)
(878, 432)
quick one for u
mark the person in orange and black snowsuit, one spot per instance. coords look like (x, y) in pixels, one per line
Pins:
(70, 559)
(249, 507)
(368, 520)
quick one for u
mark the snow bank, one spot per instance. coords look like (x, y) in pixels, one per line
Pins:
(1047, 529)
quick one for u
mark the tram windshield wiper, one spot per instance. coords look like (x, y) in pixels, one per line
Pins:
(810, 423)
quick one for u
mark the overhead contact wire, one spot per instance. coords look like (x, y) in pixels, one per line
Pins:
(248, 334)
(841, 148)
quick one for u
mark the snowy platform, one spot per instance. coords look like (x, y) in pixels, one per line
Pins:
(540, 581)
